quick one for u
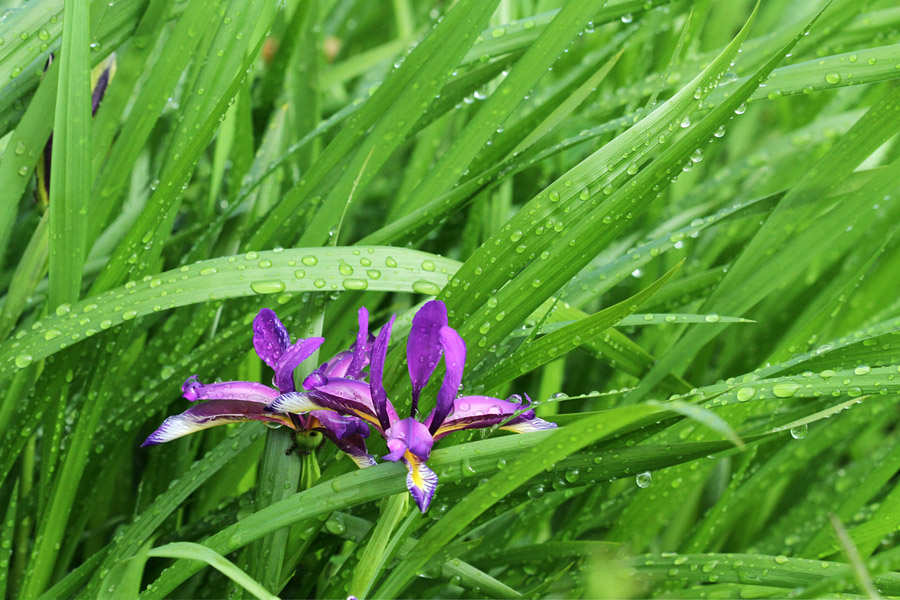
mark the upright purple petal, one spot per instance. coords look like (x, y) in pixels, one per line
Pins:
(455, 361)
(338, 366)
(408, 435)
(291, 359)
(423, 349)
(193, 390)
(270, 338)
(314, 380)
(212, 413)
(360, 357)
(479, 412)
(376, 373)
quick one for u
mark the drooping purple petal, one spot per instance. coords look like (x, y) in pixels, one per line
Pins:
(291, 359)
(408, 435)
(340, 426)
(347, 433)
(376, 373)
(455, 361)
(423, 349)
(421, 481)
(355, 448)
(270, 338)
(523, 425)
(479, 412)
(360, 358)
(193, 390)
(212, 413)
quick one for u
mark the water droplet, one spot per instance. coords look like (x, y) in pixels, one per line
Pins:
(862, 370)
(785, 389)
(423, 286)
(390, 262)
(643, 479)
(353, 283)
(309, 260)
(209, 271)
(745, 394)
(428, 265)
(23, 360)
(799, 432)
(267, 287)
(833, 78)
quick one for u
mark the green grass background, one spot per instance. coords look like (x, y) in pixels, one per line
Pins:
(671, 223)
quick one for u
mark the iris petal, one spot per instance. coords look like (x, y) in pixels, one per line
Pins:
(360, 348)
(210, 414)
(193, 390)
(455, 361)
(423, 349)
(291, 359)
(347, 397)
(421, 481)
(479, 412)
(376, 372)
(270, 338)
(409, 435)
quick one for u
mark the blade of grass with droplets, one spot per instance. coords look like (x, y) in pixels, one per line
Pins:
(776, 571)
(372, 559)
(563, 205)
(454, 35)
(734, 293)
(220, 80)
(191, 551)
(27, 143)
(540, 456)
(533, 354)
(70, 166)
(527, 72)
(140, 532)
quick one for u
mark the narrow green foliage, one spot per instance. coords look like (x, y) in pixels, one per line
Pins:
(668, 228)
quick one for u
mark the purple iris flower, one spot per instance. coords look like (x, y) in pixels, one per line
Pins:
(410, 440)
(233, 401)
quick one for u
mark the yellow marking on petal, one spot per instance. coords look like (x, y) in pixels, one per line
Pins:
(445, 429)
(368, 417)
(413, 465)
(287, 421)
